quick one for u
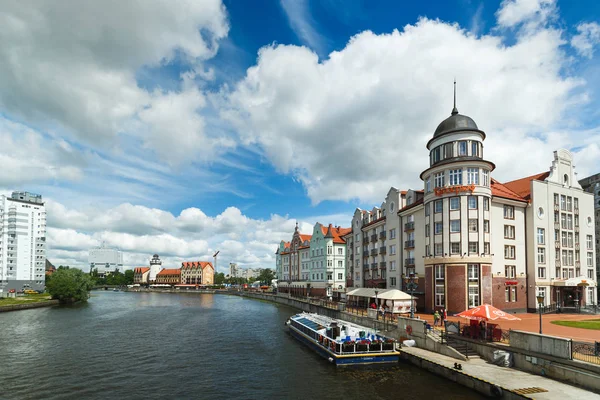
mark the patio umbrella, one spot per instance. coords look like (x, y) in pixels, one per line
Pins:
(486, 312)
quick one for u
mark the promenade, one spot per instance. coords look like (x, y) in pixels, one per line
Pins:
(517, 383)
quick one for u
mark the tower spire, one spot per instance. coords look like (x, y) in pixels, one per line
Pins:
(454, 110)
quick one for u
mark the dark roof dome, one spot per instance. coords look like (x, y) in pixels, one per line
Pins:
(456, 122)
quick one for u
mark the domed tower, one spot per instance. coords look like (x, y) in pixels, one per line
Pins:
(155, 267)
(457, 216)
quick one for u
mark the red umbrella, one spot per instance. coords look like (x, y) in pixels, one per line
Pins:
(486, 312)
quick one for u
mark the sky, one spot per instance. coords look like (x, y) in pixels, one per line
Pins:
(190, 127)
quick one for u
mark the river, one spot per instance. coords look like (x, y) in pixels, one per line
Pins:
(154, 345)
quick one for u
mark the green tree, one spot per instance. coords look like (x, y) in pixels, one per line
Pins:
(70, 285)
(219, 278)
(129, 277)
(266, 276)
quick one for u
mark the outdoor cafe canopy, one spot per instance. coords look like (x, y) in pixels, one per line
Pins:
(383, 294)
(486, 312)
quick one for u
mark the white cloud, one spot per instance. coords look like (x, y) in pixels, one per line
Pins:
(302, 23)
(73, 65)
(531, 12)
(586, 39)
(338, 125)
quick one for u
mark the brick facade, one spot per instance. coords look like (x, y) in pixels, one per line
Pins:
(499, 284)
(456, 287)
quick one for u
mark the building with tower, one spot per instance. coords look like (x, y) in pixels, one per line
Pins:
(22, 242)
(155, 268)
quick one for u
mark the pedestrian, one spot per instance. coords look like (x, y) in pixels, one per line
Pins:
(381, 311)
(436, 317)
(442, 316)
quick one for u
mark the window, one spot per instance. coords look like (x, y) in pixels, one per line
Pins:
(541, 236)
(473, 247)
(462, 148)
(509, 232)
(472, 176)
(513, 291)
(485, 177)
(486, 247)
(486, 204)
(541, 291)
(541, 272)
(340, 264)
(454, 225)
(440, 272)
(428, 185)
(455, 203)
(340, 251)
(569, 203)
(392, 265)
(509, 212)
(509, 252)
(438, 228)
(474, 149)
(541, 255)
(438, 206)
(473, 296)
(449, 150)
(392, 249)
(569, 221)
(506, 294)
(455, 248)
(486, 226)
(590, 260)
(510, 271)
(472, 201)
(427, 209)
(472, 225)
(589, 241)
(427, 230)
(440, 295)
(455, 177)
(590, 274)
(439, 249)
(329, 263)
(556, 199)
(393, 233)
(435, 155)
(563, 202)
(393, 282)
(576, 203)
(438, 180)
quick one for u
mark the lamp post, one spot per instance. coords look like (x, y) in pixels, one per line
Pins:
(411, 284)
(376, 307)
(540, 300)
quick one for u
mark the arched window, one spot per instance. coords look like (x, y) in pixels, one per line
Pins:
(566, 179)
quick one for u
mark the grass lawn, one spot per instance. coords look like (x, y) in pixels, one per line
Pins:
(589, 324)
(28, 298)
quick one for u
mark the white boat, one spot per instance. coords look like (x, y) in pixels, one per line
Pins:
(341, 342)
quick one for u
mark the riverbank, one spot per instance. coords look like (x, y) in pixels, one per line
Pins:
(25, 305)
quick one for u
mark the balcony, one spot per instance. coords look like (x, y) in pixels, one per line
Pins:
(382, 250)
(409, 244)
(366, 267)
(409, 226)
(382, 264)
(374, 238)
(366, 254)
(365, 239)
(382, 235)
(373, 252)
(409, 261)
(374, 265)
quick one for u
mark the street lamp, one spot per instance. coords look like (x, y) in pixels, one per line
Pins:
(376, 307)
(540, 300)
(411, 284)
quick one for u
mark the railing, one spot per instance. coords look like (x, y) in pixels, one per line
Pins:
(382, 250)
(374, 265)
(365, 239)
(409, 244)
(409, 226)
(373, 252)
(382, 264)
(374, 238)
(586, 351)
(552, 308)
(409, 261)
(382, 235)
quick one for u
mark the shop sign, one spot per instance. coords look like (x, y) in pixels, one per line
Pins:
(511, 283)
(454, 189)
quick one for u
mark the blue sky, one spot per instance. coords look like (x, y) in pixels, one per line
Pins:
(212, 125)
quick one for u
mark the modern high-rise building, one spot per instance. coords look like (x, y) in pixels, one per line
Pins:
(22, 241)
(105, 260)
(233, 270)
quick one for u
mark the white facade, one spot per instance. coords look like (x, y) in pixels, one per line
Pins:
(22, 241)
(233, 270)
(155, 268)
(105, 260)
(561, 257)
(591, 184)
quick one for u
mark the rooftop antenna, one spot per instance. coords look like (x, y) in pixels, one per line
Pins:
(454, 110)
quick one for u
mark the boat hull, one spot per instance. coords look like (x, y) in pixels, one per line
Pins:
(345, 359)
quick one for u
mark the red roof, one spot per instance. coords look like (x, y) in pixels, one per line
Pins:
(196, 264)
(500, 190)
(170, 272)
(522, 186)
(337, 232)
(141, 270)
(304, 237)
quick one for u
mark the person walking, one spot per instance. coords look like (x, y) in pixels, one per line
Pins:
(442, 316)
(436, 317)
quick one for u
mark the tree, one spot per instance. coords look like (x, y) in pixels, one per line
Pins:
(70, 285)
(266, 276)
(219, 278)
(129, 277)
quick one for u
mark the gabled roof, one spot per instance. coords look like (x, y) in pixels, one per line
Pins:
(522, 186)
(170, 272)
(335, 232)
(500, 190)
(141, 270)
(196, 264)
(304, 237)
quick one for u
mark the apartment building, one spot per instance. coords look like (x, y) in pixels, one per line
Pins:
(591, 184)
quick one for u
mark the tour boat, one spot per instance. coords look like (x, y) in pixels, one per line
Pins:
(341, 342)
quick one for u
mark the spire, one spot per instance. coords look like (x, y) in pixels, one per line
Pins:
(454, 110)
(296, 229)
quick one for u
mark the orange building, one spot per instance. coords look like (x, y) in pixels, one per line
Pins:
(197, 273)
(169, 277)
(140, 275)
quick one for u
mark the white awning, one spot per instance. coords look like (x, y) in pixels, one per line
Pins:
(579, 281)
(384, 294)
